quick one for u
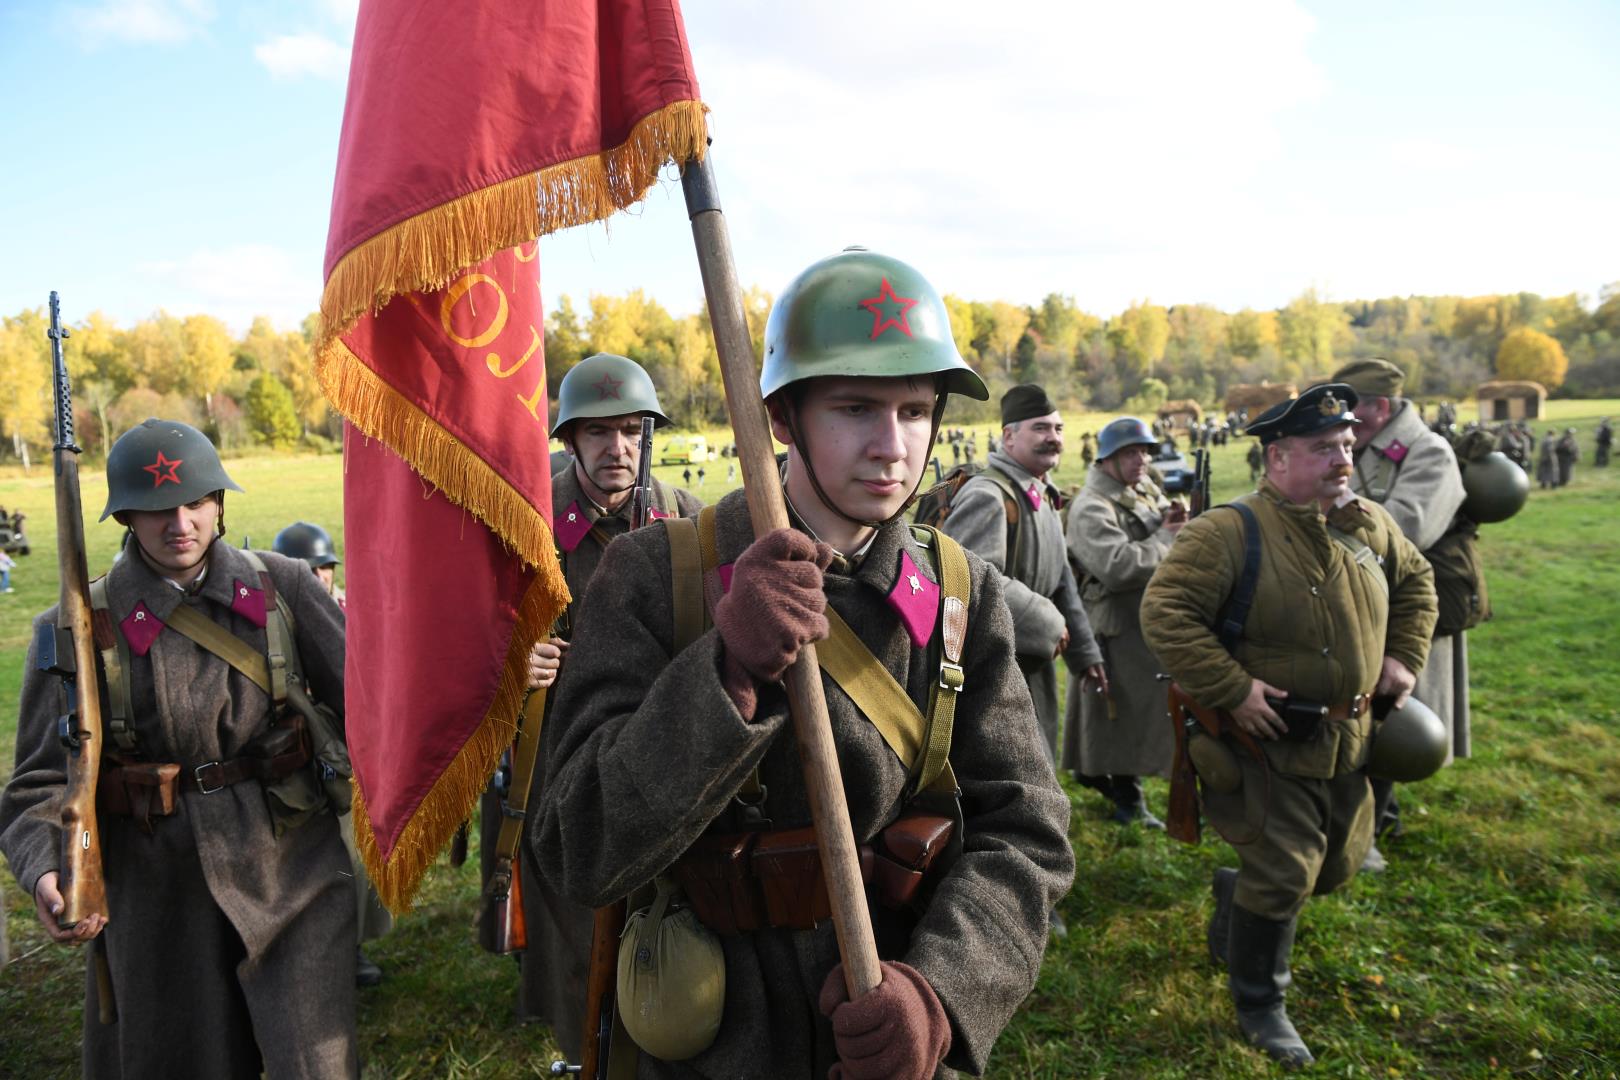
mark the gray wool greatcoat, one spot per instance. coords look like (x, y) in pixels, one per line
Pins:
(556, 961)
(1422, 491)
(226, 943)
(650, 748)
(1041, 591)
(1117, 537)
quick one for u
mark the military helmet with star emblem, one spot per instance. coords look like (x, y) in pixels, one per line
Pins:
(865, 314)
(606, 385)
(162, 464)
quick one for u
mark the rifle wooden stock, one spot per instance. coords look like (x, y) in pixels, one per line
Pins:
(823, 781)
(84, 890)
(1182, 821)
(603, 976)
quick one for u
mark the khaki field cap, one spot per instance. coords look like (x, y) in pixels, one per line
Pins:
(1372, 377)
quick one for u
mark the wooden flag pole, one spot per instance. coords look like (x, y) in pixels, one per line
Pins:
(824, 784)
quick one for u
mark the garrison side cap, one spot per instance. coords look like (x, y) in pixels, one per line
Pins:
(1326, 405)
(859, 313)
(162, 464)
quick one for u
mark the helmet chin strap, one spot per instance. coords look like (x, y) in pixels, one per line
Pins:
(791, 415)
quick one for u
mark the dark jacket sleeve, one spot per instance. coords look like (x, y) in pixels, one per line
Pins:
(642, 750)
(981, 940)
(30, 822)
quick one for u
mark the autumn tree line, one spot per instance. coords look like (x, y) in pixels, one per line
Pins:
(259, 389)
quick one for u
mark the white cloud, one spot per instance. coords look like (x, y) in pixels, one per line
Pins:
(237, 283)
(293, 56)
(343, 12)
(143, 21)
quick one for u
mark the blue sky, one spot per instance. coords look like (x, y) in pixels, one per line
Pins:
(179, 153)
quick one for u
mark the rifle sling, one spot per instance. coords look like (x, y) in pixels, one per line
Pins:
(524, 756)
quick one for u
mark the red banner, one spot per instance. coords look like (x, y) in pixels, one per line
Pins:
(470, 129)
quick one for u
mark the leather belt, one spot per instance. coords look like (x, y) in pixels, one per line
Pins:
(1351, 709)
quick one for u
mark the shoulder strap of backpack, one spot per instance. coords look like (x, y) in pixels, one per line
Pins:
(1013, 501)
(281, 651)
(115, 663)
(1229, 623)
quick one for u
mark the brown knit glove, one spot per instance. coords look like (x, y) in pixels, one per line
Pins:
(774, 608)
(896, 1031)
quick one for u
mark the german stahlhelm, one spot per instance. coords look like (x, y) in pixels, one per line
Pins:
(1496, 488)
(1410, 744)
(1118, 434)
(162, 464)
(606, 385)
(861, 313)
(301, 540)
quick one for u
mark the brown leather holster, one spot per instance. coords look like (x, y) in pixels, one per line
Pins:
(1183, 819)
(741, 882)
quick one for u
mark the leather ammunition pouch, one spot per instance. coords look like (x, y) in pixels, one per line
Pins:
(141, 790)
(738, 883)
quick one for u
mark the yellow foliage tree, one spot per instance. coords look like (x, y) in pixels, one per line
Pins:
(1530, 354)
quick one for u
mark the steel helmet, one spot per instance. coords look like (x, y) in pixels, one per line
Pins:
(1496, 488)
(606, 385)
(162, 464)
(301, 540)
(1410, 744)
(861, 313)
(1123, 432)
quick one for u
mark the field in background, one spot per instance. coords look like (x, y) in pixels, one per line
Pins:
(1490, 948)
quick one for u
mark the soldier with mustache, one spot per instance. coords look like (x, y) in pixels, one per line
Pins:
(1342, 607)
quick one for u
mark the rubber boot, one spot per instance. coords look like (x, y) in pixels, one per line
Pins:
(1257, 971)
(1220, 923)
(1130, 805)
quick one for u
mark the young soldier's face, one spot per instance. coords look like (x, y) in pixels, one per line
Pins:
(608, 450)
(176, 541)
(868, 439)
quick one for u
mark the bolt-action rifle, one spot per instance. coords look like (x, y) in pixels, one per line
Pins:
(1198, 491)
(68, 651)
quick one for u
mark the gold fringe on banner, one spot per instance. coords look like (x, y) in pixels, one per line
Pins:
(424, 252)
(451, 799)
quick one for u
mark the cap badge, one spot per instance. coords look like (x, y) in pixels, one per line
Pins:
(158, 467)
(881, 319)
(1330, 405)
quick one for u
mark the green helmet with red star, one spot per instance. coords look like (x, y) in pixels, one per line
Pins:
(861, 313)
(162, 464)
(606, 385)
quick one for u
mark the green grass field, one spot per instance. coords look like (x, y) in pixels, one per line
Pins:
(1491, 947)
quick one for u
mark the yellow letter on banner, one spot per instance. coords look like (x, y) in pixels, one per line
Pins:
(454, 293)
(493, 360)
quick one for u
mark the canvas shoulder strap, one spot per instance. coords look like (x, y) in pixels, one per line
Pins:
(1229, 624)
(115, 663)
(1013, 500)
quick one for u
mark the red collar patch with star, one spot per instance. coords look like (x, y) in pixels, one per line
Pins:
(158, 467)
(879, 306)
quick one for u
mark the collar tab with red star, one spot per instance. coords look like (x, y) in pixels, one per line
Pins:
(916, 600)
(1033, 494)
(1396, 451)
(250, 603)
(571, 527)
(141, 628)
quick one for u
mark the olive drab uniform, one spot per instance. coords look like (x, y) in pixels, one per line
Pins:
(1412, 472)
(1335, 595)
(1021, 537)
(556, 959)
(1116, 537)
(648, 749)
(231, 948)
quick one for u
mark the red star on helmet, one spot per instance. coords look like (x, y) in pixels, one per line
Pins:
(159, 477)
(608, 387)
(882, 321)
